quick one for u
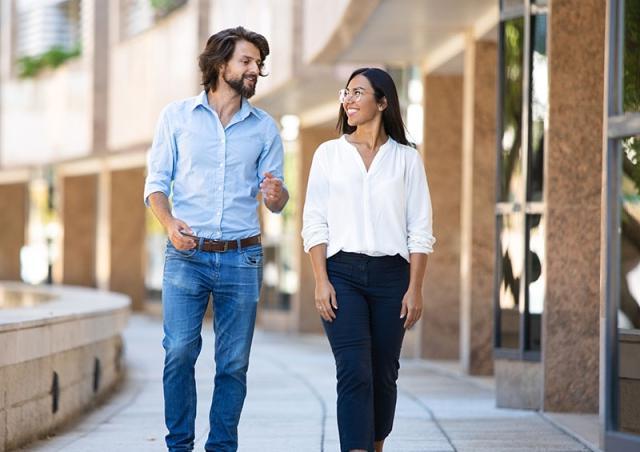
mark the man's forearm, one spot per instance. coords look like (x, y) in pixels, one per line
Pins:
(160, 207)
(277, 205)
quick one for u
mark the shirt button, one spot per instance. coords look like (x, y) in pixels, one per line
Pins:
(220, 165)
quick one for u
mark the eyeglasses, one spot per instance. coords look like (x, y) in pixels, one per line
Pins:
(345, 94)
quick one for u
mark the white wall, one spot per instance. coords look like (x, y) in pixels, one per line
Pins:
(48, 118)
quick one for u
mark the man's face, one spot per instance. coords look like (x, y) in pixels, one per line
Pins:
(242, 69)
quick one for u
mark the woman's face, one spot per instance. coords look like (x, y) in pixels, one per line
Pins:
(364, 109)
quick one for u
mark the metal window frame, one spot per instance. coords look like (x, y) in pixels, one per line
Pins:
(526, 11)
(619, 126)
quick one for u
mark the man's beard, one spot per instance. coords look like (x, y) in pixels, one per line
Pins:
(239, 86)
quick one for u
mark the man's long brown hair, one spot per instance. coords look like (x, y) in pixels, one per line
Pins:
(220, 48)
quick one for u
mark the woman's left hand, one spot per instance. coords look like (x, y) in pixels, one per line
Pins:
(411, 307)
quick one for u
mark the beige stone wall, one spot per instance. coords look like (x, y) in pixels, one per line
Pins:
(573, 193)
(26, 399)
(443, 154)
(127, 235)
(518, 384)
(14, 208)
(79, 219)
(478, 205)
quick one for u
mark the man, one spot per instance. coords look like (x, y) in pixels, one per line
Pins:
(218, 151)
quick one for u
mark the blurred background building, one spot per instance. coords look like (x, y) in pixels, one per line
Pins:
(527, 113)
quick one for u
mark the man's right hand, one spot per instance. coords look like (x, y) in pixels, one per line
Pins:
(180, 242)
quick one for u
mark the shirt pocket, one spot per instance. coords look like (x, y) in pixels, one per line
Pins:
(194, 149)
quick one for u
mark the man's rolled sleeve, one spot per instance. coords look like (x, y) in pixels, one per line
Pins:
(272, 157)
(161, 159)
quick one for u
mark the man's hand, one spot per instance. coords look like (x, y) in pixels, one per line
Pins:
(275, 196)
(180, 241)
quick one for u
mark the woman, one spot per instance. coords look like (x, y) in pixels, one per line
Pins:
(367, 228)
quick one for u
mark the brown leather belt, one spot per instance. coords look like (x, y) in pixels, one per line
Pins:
(220, 246)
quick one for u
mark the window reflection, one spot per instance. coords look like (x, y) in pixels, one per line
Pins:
(629, 307)
(512, 73)
(509, 289)
(539, 106)
(535, 280)
(632, 55)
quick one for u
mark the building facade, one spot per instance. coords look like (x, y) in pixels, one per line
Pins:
(526, 113)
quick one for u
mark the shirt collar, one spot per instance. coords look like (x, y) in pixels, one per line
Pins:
(245, 107)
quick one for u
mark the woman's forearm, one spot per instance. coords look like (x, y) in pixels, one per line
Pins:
(318, 256)
(417, 266)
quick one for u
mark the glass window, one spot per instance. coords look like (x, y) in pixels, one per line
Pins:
(631, 85)
(535, 281)
(629, 304)
(539, 106)
(510, 236)
(512, 73)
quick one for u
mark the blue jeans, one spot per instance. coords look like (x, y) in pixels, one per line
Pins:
(366, 338)
(234, 279)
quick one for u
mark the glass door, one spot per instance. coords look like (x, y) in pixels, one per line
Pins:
(622, 267)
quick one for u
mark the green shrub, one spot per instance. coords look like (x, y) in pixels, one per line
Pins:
(31, 66)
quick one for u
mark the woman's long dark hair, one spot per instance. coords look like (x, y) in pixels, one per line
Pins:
(383, 86)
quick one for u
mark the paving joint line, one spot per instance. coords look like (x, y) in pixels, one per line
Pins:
(567, 432)
(424, 406)
(313, 390)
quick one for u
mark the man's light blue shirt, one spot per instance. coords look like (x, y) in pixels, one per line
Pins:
(215, 171)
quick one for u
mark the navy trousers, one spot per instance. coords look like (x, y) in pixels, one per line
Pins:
(366, 337)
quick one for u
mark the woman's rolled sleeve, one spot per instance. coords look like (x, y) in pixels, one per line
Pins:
(420, 237)
(315, 229)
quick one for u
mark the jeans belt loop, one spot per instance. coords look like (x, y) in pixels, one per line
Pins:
(200, 243)
(239, 244)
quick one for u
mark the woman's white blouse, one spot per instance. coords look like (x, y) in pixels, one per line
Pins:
(384, 211)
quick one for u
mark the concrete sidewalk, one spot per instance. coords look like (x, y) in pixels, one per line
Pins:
(291, 405)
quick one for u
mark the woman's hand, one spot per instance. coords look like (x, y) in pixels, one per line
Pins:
(326, 300)
(411, 307)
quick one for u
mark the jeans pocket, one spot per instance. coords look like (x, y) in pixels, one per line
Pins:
(252, 257)
(173, 251)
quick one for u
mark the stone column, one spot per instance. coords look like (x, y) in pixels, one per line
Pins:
(95, 48)
(306, 316)
(478, 205)
(127, 235)
(7, 38)
(572, 193)
(13, 223)
(79, 219)
(443, 155)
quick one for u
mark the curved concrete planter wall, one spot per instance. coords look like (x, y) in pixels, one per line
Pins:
(58, 355)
